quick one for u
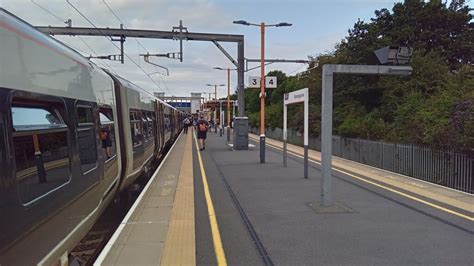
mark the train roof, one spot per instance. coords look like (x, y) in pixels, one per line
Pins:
(13, 23)
(135, 87)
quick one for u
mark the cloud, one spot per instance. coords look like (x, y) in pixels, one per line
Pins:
(307, 37)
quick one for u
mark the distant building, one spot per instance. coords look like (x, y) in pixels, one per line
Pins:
(186, 104)
(160, 95)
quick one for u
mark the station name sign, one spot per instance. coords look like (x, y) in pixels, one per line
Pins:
(296, 96)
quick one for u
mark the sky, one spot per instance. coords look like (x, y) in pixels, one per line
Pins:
(318, 25)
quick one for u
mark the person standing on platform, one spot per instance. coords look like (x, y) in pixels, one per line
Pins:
(211, 124)
(195, 121)
(186, 123)
(202, 128)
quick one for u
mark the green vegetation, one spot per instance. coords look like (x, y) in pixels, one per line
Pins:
(433, 107)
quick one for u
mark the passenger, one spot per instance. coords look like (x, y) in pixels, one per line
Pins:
(187, 123)
(104, 135)
(203, 127)
(211, 124)
(195, 122)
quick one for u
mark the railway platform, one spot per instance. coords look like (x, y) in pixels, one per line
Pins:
(219, 206)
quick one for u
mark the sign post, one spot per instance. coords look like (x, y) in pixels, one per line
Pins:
(291, 98)
(221, 126)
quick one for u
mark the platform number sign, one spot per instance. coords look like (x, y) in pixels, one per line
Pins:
(254, 82)
(270, 82)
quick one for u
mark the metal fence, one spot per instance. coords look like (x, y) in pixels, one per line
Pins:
(446, 168)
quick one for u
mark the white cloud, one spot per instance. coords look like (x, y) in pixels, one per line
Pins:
(199, 57)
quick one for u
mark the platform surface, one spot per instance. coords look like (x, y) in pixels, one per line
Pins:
(385, 224)
(161, 219)
(222, 207)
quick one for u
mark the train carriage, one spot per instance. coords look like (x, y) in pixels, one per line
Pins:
(71, 136)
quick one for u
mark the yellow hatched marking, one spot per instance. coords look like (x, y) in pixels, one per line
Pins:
(180, 245)
(386, 188)
(216, 236)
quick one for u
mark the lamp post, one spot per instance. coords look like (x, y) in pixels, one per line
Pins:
(228, 98)
(262, 78)
(209, 98)
(215, 95)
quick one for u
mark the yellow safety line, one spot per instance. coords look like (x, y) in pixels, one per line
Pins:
(216, 236)
(180, 243)
(387, 188)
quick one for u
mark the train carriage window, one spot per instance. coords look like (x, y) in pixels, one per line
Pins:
(26, 118)
(136, 128)
(147, 126)
(146, 136)
(40, 147)
(107, 132)
(151, 124)
(86, 138)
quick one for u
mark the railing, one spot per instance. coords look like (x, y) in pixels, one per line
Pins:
(446, 168)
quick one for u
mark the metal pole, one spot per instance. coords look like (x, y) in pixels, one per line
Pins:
(326, 136)
(240, 78)
(215, 108)
(262, 95)
(233, 109)
(284, 135)
(181, 41)
(220, 119)
(306, 118)
(228, 104)
(122, 40)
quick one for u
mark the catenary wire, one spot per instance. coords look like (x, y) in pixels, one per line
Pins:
(102, 63)
(105, 35)
(138, 42)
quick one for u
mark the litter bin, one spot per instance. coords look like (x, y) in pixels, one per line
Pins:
(241, 133)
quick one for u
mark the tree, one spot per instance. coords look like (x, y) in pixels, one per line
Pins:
(433, 107)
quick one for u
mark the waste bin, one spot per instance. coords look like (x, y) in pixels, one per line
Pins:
(241, 133)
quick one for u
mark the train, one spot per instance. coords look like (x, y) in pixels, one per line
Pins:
(73, 136)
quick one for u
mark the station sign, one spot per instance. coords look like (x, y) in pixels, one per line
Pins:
(295, 96)
(270, 82)
(291, 98)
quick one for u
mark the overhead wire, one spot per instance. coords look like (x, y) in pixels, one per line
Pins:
(48, 11)
(106, 35)
(138, 42)
(102, 63)
(301, 66)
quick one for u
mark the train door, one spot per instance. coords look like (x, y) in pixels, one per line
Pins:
(87, 141)
(156, 127)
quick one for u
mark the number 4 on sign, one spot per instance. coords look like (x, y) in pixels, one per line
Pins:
(270, 82)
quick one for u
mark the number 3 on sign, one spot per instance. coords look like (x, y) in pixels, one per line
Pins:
(254, 82)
